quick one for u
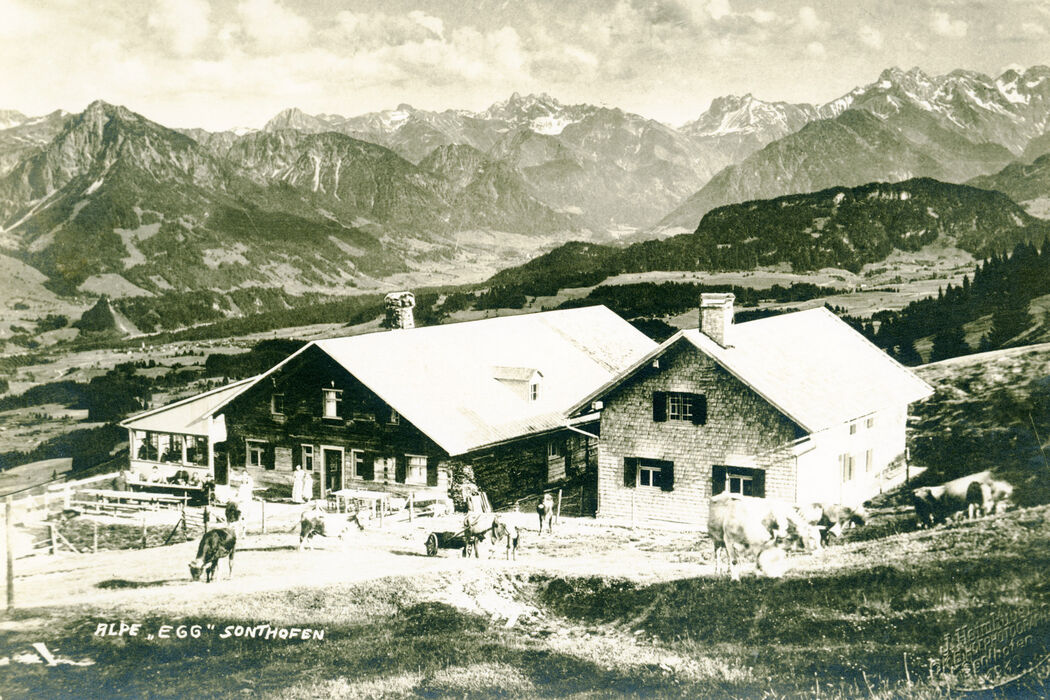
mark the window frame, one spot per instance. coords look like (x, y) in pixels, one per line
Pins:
(742, 479)
(250, 447)
(276, 398)
(394, 418)
(847, 465)
(869, 460)
(649, 471)
(681, 406)
(303, 456)
(869, 422)
(421, 479)
(337, 400)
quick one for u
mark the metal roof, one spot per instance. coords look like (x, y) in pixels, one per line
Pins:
(810, 365)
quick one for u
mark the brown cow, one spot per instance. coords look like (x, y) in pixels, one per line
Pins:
(215, 545)
(935, 504)
(833, 518)
(750, 524)
(545, 510)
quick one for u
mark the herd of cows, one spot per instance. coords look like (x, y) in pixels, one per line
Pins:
(738, 525)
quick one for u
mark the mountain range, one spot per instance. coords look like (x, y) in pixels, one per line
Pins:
(326, 201)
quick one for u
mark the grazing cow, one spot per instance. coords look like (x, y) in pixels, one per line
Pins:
(545, 510)
(215, 545)
(742, 522)
(508, 533)
(935, 504)
(833, 518)
(316, 524)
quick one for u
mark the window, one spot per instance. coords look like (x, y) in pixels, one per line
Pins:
(255, 453)
(307, 457)
(676, 405)
(869, 460)
(870, 422)
(417, 469)
(362, 465)
(149, 449)
(847, 461)
(745, 481)
(554, 449)
(395, 418)
(277, 404)
(173, 450)
(534, 391)
(852, 428)
(197, 450)
(653, 473)
(332, 399)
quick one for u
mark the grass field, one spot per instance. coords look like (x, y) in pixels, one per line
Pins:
(843, 623)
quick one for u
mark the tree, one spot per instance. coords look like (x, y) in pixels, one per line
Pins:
(907, 354)
(950, 342)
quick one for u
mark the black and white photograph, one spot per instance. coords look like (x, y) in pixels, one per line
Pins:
(525, 349)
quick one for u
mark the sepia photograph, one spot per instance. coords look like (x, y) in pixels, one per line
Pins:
(525, 349)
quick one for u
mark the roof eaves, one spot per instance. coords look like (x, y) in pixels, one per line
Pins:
(188, 399)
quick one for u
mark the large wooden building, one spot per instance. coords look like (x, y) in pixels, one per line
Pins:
(402, 410)
(798, 407)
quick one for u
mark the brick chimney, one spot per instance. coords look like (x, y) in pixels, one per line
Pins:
(399, 307)
(716, 317)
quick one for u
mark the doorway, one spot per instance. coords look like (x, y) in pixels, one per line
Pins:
(333, 469)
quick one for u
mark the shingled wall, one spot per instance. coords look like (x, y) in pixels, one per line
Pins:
(742, 429)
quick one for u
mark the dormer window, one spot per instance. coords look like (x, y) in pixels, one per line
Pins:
(332, 400)
(523, 381)
(534, 390)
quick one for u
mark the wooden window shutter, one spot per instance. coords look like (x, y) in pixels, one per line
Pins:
(758, 483)
(630, 471)
(699, 409)
(667, 476)
(718, 480)
(368, 466)
(432, 471)
(401, 469)
(659, 406)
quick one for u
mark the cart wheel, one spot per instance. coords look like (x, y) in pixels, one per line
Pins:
(432, 545)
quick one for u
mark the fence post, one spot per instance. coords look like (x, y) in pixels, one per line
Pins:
(51, 533)
(183, 508)
(557, 513)
(94, 538)
(9, 518)
(143, 531)
(262, 505)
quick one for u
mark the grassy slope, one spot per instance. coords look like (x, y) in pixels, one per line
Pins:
(843, 620)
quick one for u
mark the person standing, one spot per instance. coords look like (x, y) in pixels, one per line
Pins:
(308, 486)
(297, 485)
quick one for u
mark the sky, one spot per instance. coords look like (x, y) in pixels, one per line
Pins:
(221, 64)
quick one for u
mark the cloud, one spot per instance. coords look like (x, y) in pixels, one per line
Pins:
(815, 49)
(719, 8)
(943, 24)
(434, 24)
(1033, 29)
(184, 24)
(762, 16)
(870, 37)
(271, 25)
(809, 22)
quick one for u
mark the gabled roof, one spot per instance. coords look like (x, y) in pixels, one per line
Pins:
(188, 416)
(443, 379)
(810, 365)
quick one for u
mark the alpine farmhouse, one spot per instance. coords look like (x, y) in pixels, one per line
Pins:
(798, 407)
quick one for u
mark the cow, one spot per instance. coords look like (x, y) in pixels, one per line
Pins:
(215, 545)
(509, 534)
(935, 504)
(478, 527)
(315, 524)
(545, 509)
(833, 518)
(742, 522)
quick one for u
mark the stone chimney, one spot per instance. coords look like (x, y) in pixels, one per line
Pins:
(716, 317)
(399, 307)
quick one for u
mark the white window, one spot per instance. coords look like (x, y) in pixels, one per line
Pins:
(254, 453)
(648, 474)
(847, 462)
(869, 460)
(417, 469)
(332, 399)
(680, 406)
(534, 391)
(308, 457)
(852, 428)
(740, 483)
(395, 417)
(870, 422)
(554, 449)
(277, 404)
